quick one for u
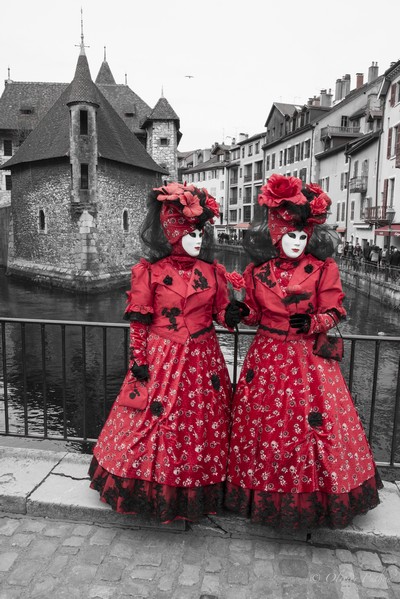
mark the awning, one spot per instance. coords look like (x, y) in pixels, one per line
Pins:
(242, 226)
(394, 231)
(340, 230)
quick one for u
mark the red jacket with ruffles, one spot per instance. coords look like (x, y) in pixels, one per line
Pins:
(314, 289)
(179, 309)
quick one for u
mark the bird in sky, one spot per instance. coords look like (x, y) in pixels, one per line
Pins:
(189, 76)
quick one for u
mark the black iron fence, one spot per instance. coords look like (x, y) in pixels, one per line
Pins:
(58, 379)
(381, 270)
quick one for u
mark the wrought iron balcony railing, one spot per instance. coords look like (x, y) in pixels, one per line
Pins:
(331, 131)
(358, 184)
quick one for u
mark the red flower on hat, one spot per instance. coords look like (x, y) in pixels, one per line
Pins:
(280, 189)
(191, 204)
(314, 188)
(172, 191)
(320, 204)
(211, 203)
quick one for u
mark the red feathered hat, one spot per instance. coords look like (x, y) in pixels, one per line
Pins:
(185, 208)
(292, 205)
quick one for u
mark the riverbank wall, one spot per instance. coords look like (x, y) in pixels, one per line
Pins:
(375, 286)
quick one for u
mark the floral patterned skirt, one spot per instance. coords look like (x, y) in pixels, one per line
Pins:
(154, 500)
(170, 462)
(299, 456)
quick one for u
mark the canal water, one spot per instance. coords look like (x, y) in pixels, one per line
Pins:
(86, 410)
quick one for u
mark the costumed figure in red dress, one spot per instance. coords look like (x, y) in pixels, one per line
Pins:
(299, 457)
(163, 450)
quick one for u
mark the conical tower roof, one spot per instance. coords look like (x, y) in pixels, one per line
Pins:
(105, 76)
(162, 111)
(50, 139)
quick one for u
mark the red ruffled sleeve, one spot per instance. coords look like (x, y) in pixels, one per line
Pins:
(140, 296)
(330, 292)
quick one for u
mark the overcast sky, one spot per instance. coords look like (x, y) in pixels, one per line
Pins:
(242, 55)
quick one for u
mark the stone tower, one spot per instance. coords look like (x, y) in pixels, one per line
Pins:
(80, 185)
(163, 136)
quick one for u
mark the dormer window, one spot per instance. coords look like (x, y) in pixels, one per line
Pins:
(26, 110)
(129, 114)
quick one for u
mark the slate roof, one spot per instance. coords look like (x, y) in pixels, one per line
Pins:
(284, 109)
(105, 76)
(19, 95)
(50, 139)
(162, 111)
(125, 101)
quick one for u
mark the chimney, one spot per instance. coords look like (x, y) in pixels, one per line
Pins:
(373, 72)
(325, 98)
(359, 80)
(338, 90)
(243, 136)
(346, 80)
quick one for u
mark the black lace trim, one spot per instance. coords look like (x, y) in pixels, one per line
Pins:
(264, 274)
(154, 500)
(138, 317)
(291, 511)
(202, 331)
(201, 282)
(171, 315)
(271, 330)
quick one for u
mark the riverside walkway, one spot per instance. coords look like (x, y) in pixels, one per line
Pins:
(58, 541)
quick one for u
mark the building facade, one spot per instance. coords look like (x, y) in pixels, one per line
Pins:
(79, 187)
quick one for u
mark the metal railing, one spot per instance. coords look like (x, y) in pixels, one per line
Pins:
(381, 270)
(58, 379)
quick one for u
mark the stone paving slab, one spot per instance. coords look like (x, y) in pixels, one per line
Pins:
(45, 558)
(21, 471)
(379, 529)
(56, 485)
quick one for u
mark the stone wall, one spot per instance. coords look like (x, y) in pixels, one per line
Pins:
(371, 286)
(165, 156)
(4, 230)
(77, 250)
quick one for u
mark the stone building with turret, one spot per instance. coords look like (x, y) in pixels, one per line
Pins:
(80, 181)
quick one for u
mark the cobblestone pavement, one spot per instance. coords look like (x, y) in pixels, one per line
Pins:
(51, 559)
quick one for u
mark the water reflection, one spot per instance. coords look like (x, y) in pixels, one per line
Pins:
(79, 394)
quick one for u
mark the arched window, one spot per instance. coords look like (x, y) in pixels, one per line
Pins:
(125, 220)
(42, 221)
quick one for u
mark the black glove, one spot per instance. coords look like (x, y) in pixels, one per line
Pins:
(301, 322)
(141, 373)
(234, 313)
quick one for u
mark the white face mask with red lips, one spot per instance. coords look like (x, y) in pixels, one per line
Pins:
(294, 243)
(191, 242)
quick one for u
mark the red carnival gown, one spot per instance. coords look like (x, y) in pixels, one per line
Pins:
(299, 456)
(169, 460)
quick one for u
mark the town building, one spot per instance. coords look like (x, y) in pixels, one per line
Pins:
(80, 182)
(208, 168)
(385, 213)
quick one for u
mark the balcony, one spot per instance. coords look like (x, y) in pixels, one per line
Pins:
(247, 178)
(376, 215)
(358, 184)
(257, 175)
(233, 181)
(330, 131)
